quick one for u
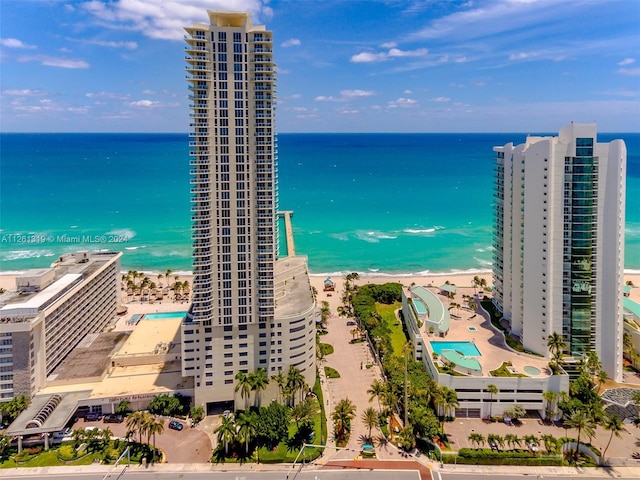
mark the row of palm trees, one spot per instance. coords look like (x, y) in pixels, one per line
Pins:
(144, 423)
(291, 386)
(138, 282)
(241, 429)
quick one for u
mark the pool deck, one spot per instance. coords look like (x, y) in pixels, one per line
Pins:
(489, 340)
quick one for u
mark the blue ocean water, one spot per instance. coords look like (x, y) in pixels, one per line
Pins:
(385, 203)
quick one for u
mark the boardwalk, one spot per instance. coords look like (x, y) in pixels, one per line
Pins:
(291, 248)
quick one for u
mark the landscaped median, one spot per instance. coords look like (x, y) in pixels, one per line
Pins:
(485, 456)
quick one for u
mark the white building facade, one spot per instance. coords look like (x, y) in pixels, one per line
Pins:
(559, 242)
(232, 326)
(50, 312)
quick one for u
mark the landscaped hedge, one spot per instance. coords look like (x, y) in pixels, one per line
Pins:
(485, 456)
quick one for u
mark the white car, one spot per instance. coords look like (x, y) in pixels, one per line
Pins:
(67, 432)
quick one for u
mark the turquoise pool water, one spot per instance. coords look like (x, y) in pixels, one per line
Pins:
(530, 370)
(468, 349)
(160, 316)
(420, 308)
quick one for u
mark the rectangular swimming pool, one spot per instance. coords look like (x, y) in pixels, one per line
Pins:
(468, 349)
(160, 316)
(420, 308)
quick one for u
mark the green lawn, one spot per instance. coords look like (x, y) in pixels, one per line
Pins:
(398, 338)
(325, 348)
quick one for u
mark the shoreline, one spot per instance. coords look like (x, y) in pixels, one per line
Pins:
(632, 272)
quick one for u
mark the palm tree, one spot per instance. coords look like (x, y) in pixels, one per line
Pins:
(281, 381)
(377, 390)
(137, 422)
(156, 426)
(407, 438)
(259, 382)
(615, 426)
(304, 412)
(512, 439)
(476, 439)
(550, 398)
(495, 439)
(556, 345)
(226, 432)
(583, 422)
(370, 419)
(167, 274)
(246, 424)
(449, 400)
(531, 440)
(344, 412)
(492, 389)
(244, 386)
(602, 378)
(550, 443)
(295, 382)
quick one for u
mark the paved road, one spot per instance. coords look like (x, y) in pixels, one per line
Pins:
(259, 475)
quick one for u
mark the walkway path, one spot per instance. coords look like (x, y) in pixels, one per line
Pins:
(291, 247)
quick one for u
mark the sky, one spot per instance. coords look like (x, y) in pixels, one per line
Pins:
(343, 65)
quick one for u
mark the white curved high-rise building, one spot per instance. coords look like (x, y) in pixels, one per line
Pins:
(559, 242)
(250, 310)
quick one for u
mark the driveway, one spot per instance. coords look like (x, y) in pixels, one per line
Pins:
(190, 445)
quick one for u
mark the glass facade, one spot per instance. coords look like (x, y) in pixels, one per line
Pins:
(580, 238)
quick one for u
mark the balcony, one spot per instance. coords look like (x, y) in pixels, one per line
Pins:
(197, 190)
(203, 262)
(201, 181)
(196, 48)
(201, 207)
(197, 153)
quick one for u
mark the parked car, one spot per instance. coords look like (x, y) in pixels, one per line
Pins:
(175, 425)
(67, 432)
(113, 418)
(92, 417)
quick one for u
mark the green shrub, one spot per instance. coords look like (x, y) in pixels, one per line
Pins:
(325, 348)
(67, 452)
(331, 372)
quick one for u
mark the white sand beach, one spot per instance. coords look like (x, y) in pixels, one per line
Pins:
(464, 282)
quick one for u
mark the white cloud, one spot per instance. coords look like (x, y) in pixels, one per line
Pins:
(109, 44)
(396, 52)
(389, 45)
(368, 57)
(345, 95)
(407, 92)
(626, 61)
(292, 42)
(166, 19)
(632, 72)
(356, 93)
(145, 103)
(108, 95)
(55, 61)
(402, 103)
(23, 93)
(15, 43)
(372, 57)
(441, 99)
(521, 56)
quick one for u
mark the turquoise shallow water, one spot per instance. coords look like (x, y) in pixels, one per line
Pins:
(377, 203)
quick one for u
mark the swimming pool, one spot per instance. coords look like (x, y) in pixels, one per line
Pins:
(160, 316)
(468, 349)
(420, 308)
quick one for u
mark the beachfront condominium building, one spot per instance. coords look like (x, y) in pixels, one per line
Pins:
(240, 321)
(559, 242)
(50, 311)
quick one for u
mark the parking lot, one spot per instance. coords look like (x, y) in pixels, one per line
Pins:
(190, 445)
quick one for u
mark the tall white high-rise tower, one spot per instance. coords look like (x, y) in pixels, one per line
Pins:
(243, 319)
(559, 242)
